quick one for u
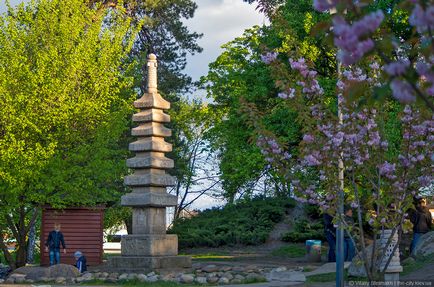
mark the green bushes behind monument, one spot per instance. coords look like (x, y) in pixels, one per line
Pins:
(247, 222)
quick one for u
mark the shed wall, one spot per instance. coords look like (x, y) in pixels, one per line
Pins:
(82, 229)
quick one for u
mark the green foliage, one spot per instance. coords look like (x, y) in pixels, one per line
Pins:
(305, 230)
(328, 277)
(246, 222)
(290, 251)
(165, 34)
(64, 99)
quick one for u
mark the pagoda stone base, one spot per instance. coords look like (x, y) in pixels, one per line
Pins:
(148, 263)
(149, 245)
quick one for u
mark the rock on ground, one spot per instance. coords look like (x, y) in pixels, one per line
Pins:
(33, 273)
(357, 268)
(425, 246)
(63, 270)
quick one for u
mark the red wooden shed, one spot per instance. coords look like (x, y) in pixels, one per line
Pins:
(82, 229)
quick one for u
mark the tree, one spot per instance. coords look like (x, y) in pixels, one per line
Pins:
(64, 101)
(375, 61)
(195, 166)
(239, 81)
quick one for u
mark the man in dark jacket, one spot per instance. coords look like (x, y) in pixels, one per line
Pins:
(52, 245)
(349, 248)
(422, 221)
(80, 262)
(330, 234)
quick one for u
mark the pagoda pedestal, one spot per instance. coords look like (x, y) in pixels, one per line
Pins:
(149, 247)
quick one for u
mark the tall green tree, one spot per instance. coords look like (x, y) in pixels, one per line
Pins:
(195, 169)
(64, 101)
(163, 33)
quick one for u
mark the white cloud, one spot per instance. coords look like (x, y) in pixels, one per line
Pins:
(220, 21)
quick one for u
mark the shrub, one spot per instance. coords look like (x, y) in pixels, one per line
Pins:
(247, 222)
(305, 230)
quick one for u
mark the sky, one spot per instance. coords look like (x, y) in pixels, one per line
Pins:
(220, 21)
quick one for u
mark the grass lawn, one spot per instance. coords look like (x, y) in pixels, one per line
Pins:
(290, 251)
(328, 277)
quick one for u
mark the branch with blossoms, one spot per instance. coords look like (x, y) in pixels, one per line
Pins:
(409, 79)
(361, 144)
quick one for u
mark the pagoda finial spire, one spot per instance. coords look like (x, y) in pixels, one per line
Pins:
(152, 73)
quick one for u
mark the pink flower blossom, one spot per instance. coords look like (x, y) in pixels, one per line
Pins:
(308, 138)
(402, 91)
(285, 95)
(422, 20)
(311, 160)
(324, 5)
(354, 204)
(397, 68)
(269, 57)
(347, 37)
(386, 168)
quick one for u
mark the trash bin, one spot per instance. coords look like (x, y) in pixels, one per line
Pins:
(313, 250)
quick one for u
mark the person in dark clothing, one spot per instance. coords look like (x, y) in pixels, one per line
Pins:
(80, 261)
(422, 222)
(349, 249)
(52, 245)
(330, 234)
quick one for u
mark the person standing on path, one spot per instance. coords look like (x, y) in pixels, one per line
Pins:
(422, 222)
(349, 248)
(52, 245)
(330, 234)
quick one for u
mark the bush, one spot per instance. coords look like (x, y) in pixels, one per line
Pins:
(247, 222)
(305, 230)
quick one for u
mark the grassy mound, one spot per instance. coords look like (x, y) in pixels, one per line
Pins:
(247, 222)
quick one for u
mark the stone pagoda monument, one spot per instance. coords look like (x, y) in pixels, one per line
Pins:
(149, 247)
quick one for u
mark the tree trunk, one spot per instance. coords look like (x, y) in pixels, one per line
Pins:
(129, 224)
(31, 244)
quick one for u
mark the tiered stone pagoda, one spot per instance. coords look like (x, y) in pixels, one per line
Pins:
(149, 247)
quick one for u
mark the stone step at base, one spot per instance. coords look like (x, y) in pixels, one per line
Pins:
(149, 245)
(147, 263)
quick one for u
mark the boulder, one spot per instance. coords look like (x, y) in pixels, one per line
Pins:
(239, 277)
(425, 246)
(60, 280)
(152, 278)
(228, 275)
(4, 271)
(210, 268)
(200, 280)
(357, 268)
(212, 279)
(187, 278)
(223, 280)
(225, 268)
(142, 277)
(255, 277)
(63, 270)
(33, 273)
